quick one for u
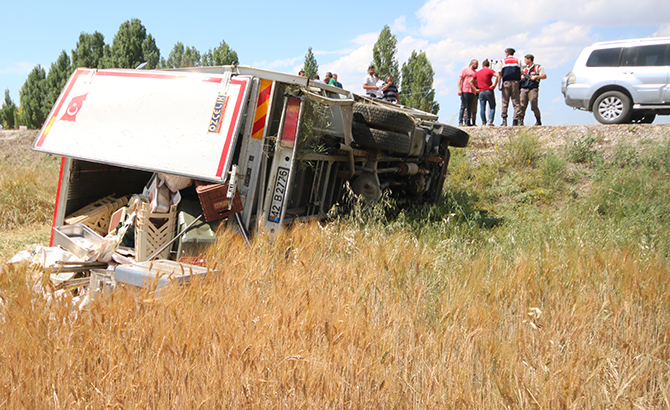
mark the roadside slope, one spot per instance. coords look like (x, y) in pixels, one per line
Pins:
(604, 138)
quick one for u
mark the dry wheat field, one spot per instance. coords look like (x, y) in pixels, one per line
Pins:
(540, 282)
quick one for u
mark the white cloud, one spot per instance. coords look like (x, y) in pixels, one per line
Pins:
(21, 67)
(276, 65)
(399, 25)
(663, 31)
(611, 13)
(365, 39)
(408, 44)
(557, 43)
(456, 19)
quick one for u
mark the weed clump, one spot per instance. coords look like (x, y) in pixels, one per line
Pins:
(580, 149)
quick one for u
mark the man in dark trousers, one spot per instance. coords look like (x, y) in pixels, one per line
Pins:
(510, 75)
(466, 93)
(530, 87)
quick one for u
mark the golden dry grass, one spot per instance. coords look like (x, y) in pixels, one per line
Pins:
(334, 317)
(499, 298)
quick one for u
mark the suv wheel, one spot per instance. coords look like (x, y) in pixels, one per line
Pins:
(612, 107)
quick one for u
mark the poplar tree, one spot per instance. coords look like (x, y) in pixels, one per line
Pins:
(8, 112)
(417, 83)
(384, 55)
(150, 52)
(311, 67)
(58, 74)
(131, 47)
(181, 56)
(222, 55)
(32, 99)
(89, 51)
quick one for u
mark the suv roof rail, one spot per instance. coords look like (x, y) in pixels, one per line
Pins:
(646, 40)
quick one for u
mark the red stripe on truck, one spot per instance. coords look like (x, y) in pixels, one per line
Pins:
(233, 125)
(53, 114)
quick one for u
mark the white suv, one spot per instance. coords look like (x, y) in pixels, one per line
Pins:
(621, 81)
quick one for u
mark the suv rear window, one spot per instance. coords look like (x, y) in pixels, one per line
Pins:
(608, 57)
(645, 56)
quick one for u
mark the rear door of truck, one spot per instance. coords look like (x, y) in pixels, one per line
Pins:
(181, 123)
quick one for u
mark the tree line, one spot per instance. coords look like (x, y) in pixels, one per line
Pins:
(415, 78)
(132, 46)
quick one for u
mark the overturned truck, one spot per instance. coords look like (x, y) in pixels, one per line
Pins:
(264, 147)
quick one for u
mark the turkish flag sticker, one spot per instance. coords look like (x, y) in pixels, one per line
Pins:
(73, 108)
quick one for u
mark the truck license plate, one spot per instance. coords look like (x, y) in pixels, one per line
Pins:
(278, 194)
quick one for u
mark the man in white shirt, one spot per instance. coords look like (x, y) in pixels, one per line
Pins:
(370, 83)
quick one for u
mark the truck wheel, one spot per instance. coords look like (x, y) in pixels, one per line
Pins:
(380, 139)
(612, 107)
(383, 118)
(456, 137)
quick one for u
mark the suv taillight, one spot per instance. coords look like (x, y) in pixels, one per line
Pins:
(571, 79)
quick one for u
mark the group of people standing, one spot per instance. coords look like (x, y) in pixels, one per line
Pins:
(516, 83)
(376, 88)
(331, 79)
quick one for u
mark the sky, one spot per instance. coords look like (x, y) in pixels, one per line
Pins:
(276, 35)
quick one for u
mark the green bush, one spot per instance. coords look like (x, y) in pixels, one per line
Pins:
(580, 149)
(524, 149)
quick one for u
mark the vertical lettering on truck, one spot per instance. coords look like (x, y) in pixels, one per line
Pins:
(217, 114)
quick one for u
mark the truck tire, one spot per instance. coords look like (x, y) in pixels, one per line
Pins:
(383, 118)
(380, 139)
(456, 137)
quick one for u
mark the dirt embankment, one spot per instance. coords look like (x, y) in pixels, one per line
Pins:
(484, 140)
(15, 146)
